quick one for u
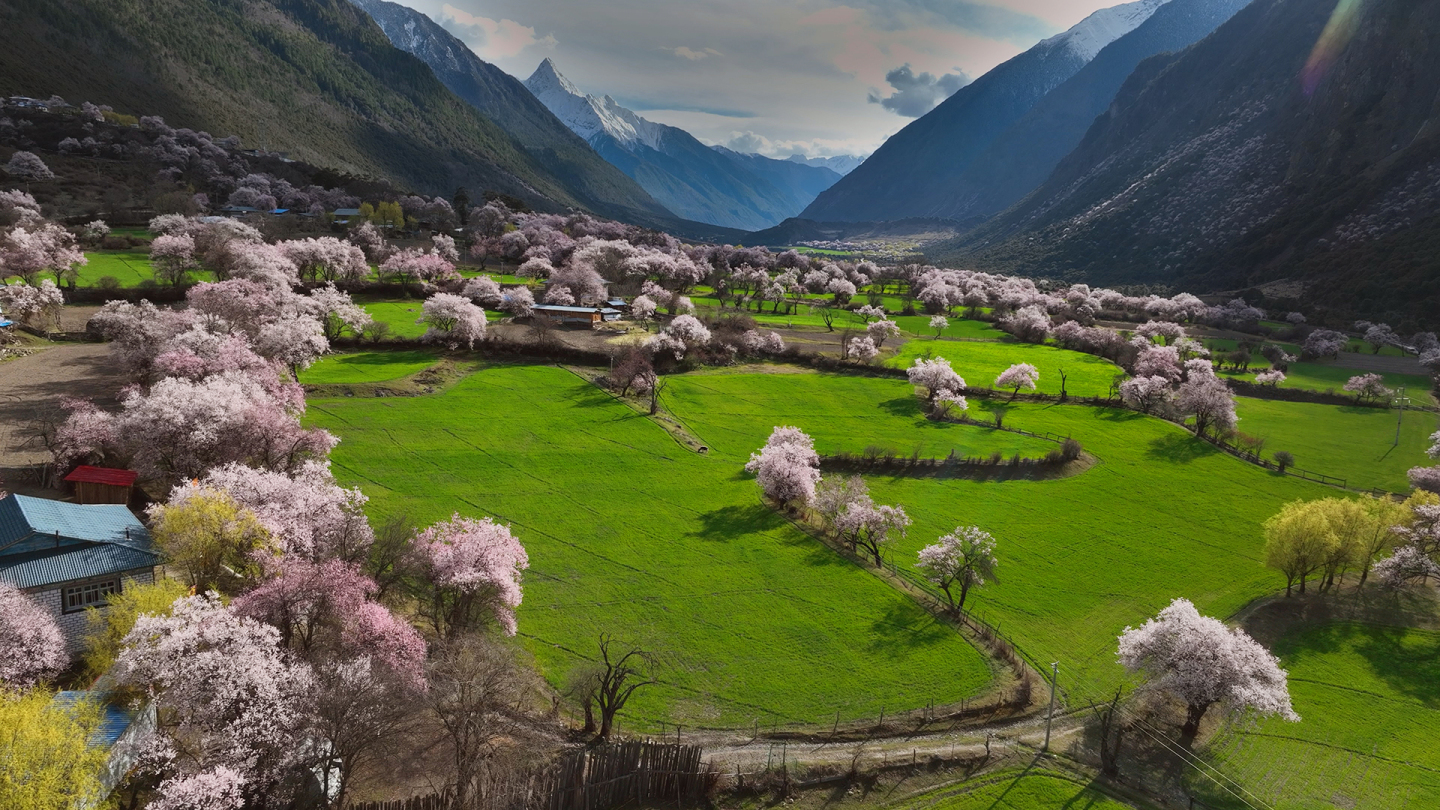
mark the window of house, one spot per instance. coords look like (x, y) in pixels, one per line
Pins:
(90, 594)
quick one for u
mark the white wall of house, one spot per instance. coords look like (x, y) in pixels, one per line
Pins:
(75, 625)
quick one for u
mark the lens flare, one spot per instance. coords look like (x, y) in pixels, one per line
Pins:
(1333, 39)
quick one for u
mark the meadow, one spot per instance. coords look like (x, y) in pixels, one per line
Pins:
(1369, 699)
(1016, 789)
(1162, 515)
(367, 367)
(980, 362)
(630, 533)
(1329, 378)
(1350, 442)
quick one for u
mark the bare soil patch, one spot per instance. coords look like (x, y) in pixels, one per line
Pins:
(33, 385)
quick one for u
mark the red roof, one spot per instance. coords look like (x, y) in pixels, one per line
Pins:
(103, 475)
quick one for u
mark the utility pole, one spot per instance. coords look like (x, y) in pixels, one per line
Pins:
(1402, 401)
(1054, 683)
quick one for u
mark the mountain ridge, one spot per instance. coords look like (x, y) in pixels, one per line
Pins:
(1216, 169)
(695, 181)
(315, 78)
(504, 100)
(909, 174)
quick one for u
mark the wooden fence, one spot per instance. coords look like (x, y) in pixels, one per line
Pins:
(600, 778)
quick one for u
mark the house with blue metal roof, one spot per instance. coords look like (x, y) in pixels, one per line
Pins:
(69, 556)
(122, 729)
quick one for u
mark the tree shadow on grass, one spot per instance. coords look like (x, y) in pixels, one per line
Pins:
(733, 521)
(1180, 448)
(904, 626)
(902, 406)
(1408, 663)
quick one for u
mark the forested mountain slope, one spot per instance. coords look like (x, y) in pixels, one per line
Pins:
(1022, 158)
(504, 100)
(1264, 153)
(315, 78)
(913, 173)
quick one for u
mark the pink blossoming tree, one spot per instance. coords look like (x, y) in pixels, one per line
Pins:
(1201, 662)
(472, 570)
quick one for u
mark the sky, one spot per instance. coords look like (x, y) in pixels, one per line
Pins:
(815, 77)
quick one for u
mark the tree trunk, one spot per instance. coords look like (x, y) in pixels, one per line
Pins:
(589, 716)
(1194, 713)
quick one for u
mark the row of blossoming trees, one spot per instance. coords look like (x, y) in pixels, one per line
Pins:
(287, 656)
(1194, 659)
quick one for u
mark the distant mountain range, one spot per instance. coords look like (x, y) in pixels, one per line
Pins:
(315, 78)
(915, 173)
(707, 184)
(1256, 157)
(840, 164)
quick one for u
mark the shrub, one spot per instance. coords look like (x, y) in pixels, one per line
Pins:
(108, 283)
(376, 331)
(1070, 449)
(1284, 459)
(114, 243)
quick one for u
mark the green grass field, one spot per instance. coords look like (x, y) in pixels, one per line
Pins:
(401, 315)
(1032, 788)
(366, 367)
(1162, 515)
(981, 362)
(1369, 699)
(1332, 378)
(1350, 442)
(629, 533)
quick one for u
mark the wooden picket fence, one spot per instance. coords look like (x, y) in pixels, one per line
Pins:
(601, 778)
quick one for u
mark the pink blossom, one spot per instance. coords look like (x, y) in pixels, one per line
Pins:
(38, 306)
(786, 468)
(1146, 394)
(935, 376)
(483, 290)
(862, 349)
(1368, 386)
(882, 330)
(31, 645)
(1020, 375)
(1158, 361)
(1407, 563)
(173, 257)
(475, 567)
(327, 609)
(226, 694)
(453, 320)
(1272, 378)
(1202, 662)
(518, 302)
(965, 556)
(326, 259)
(220, 788)
(306, 512)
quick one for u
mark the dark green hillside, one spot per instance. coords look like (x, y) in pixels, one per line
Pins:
(316, 78)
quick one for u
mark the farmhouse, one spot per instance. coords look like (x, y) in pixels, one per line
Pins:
(69, 556)
(342, 216)
(589, 315)
(102, 484)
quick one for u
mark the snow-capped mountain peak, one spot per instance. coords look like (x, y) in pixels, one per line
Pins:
(588, 116)
(1089, 36)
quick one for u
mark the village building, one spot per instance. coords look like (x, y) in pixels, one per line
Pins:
(68, 557)
(580, 315)
(102, 484)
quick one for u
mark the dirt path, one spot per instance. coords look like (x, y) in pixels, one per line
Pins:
(32, 385)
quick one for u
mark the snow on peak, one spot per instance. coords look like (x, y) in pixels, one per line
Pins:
(1092, 34)
(588, 116)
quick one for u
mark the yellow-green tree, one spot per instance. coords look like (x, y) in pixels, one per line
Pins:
(1383, 515)
(46, 761)
(1348, 521)
(209, 536)
(108, 628)
(1298, 541)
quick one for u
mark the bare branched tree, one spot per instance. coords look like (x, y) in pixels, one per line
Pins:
(608, 684)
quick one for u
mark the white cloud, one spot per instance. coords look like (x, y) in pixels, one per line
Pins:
(694, 56)
(492, 39)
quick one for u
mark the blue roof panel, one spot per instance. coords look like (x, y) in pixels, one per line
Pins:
(40, 568)
(116, 719)
(21, 515)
